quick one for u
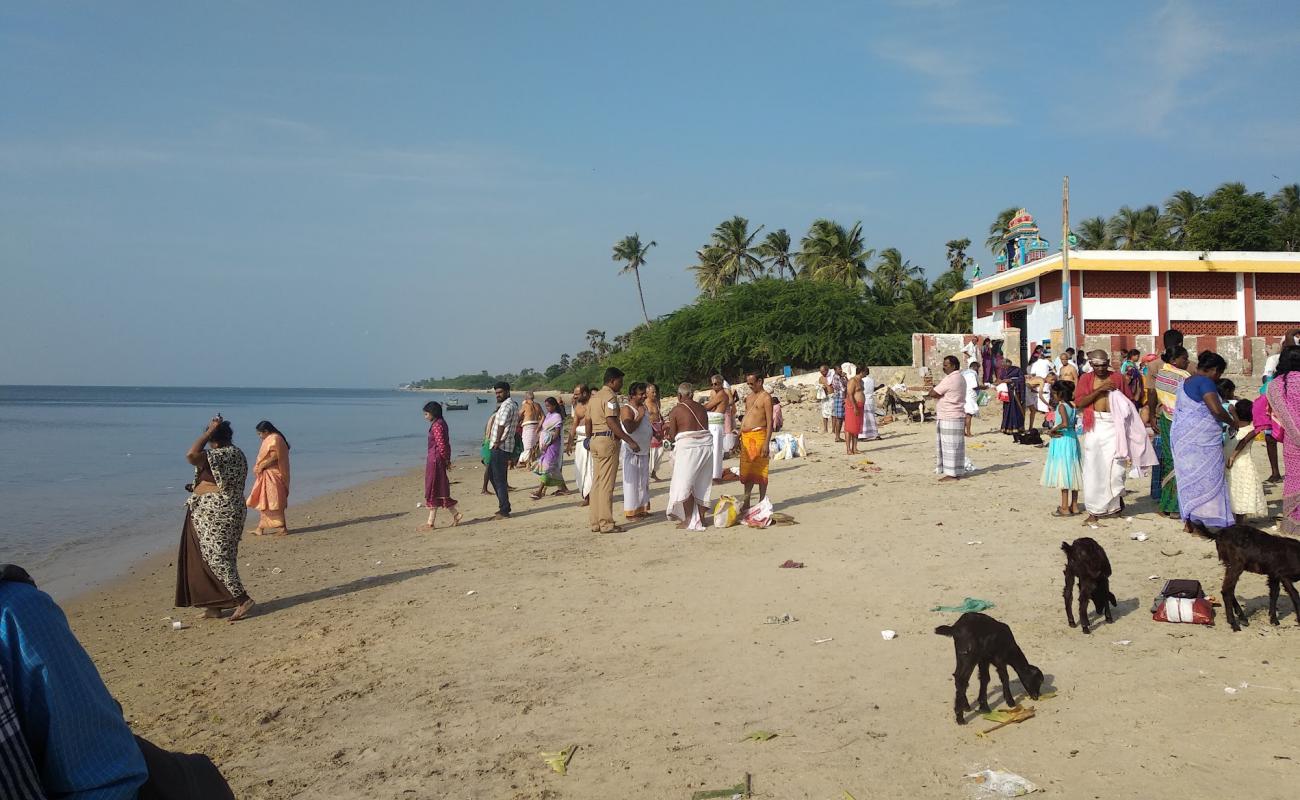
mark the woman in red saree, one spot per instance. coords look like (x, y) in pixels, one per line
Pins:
(270, 494)
(1284, 406)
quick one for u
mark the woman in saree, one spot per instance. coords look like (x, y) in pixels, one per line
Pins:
(1167, 382)
(1283, 396)
(1197, 441)
(207, 567)
(437, 460)
(986, 360)
(1013, 410)
(270, 495)
(551, 448)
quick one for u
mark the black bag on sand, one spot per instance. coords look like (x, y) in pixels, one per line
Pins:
(181, 776)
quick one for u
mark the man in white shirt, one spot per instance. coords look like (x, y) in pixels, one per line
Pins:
(971, 374)
(1037, 378)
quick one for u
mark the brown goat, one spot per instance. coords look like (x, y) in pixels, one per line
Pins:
(981, 640)
(1246, 549)
(1086, 562)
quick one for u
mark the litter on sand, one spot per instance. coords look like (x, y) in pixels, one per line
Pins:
(471, 593)
(823, 641)
(179, 626)
(1123, 642)
(887, 635)
(1171, 555)
(1138, 536)
(276, 570)
(996, 783)
(759, 736)
(781, 620)
(742, 789)
(976, 541)
(1005, 717)
(1153, 577)
(781, 518)
(560, 761)
(792, 564)
(970, 604)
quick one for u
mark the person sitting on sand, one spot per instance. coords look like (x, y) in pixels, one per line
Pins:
(687, 428)
(270, 495)
(756, 438)
(207, 566)
(437, 460)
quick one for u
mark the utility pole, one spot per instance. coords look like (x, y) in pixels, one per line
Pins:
(1067, 326)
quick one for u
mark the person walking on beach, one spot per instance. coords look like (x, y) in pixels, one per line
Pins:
(854, 399)
(635, 420)
(437, 460)
(717, 404)
(530, 421)
(579, 445)
(207, 566)
(550, 459)
(869, 430)
(755, 439)
(501, 449)
(838, 384)
(687, 428)
(655, 410)
(1283, 405)
(824, 396)
(606, 433)
(950, 422)
(270, 495)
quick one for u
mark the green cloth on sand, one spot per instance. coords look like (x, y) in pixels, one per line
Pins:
(967, 606)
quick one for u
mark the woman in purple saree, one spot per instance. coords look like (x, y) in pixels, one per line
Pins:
(551, 447)
(1196, 438)
(1284, 406)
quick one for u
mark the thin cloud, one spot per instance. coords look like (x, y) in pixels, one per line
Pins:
(954, 93)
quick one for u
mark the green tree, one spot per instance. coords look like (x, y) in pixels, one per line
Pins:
(1234, 219)
(1136, 229)
(596, 341)
(1287, 203)
(734, 245)
(998, 230)
(830, 252)
(709, 274)
(890, 276)
(631, 251)
(956, 256)
(775, 252)
(1094, 234)
(1180, 209)
(565, 362)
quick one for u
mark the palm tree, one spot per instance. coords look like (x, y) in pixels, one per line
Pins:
(735, 245)
(1179, 210)
(1094, 234)
(829, 252)
(956, 256)
(709, 274)
(596, 341)
(998, 230)
(1287, 202)
(775, 251)
(891, 275)
(1135, 229)
(633, 252)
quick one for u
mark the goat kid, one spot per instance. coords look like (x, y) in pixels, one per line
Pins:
(1246, 549)
(1086, 562)
(980, 641)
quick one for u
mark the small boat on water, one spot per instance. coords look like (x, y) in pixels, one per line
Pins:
(480, 399)
(455, 405)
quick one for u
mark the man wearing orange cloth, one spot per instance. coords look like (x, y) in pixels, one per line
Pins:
(755, 438)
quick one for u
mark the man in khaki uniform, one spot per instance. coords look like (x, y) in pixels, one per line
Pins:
(606, 432)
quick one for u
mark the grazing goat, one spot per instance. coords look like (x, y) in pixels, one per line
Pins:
(1086, 562)
(1246, 549)
(981, 640)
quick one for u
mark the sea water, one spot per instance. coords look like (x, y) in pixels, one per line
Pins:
(92, 478)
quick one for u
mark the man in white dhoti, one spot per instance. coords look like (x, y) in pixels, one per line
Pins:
(972, 407)
(869, 429)
(1103, 474)
(693, 449)
(635, 419)
(530, 417)
(718, 403)
(580, 440)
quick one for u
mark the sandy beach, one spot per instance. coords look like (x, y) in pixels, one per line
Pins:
(387, 662)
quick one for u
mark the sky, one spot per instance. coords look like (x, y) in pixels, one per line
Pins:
(356, 195)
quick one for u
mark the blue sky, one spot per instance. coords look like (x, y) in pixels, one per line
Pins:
(330, 194)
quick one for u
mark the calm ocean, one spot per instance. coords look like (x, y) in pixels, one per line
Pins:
(92, 478)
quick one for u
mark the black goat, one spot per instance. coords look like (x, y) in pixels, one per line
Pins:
(981, 640)
(1086, 562)
(1246, 549)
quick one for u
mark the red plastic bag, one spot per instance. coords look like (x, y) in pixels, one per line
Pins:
(1194, 610)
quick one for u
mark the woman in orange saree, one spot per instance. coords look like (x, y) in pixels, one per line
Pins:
(270, 494)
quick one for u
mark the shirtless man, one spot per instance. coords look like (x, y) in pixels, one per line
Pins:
(686, 426)
(717, 405)
(756, 438)
(530, 417)
(1103, 475)
(578, 435)
(853, 394)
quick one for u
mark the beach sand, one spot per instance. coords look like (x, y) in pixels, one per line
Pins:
(387, 662)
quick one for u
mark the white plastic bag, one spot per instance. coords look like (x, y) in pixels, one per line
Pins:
(992, 782)
(759, 516)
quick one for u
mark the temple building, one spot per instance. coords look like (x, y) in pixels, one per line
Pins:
(1131, 296)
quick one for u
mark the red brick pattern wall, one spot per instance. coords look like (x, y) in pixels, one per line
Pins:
(1203, 286)
(1117, 284)
(1205, 327)
(1117, 327)
(1049, 287)
(1274, 330)
(983, 302)
(1277, 286)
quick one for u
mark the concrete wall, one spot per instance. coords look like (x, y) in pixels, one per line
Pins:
(1245, 354)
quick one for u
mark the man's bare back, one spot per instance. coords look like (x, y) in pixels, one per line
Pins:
(686, 416)
(530, 411)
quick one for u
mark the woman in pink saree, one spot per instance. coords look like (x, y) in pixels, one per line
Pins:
(270, 494)
(1284, 406)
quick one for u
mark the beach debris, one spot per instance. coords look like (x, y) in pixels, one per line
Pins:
(379, 563)
(1005, 717)
(1171, 555)
(888, 634)
(824, 641)
(792, 564)
(992, 782)
(847, 796)
(968, 605)
(1138, 536)
(276, 570)
(781, 620)
(742, 789)
(1095, 527)
(759, 736)
(177, 625)
(1153, 577)
(781, 518)
(725, 512)
(471, 593)
(560, 761)
(759, 516)
(1123, 642)
(973, 542)
(1230, 690)
(419, 505)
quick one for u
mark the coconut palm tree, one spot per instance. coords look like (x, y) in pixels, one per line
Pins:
(1287, 200)
(735, 245)
(1135, 229)
(596, 341)
(891, 275)
(998, 230)
(633, 252)
(956, 256)
(1180, 208)
(830, 252)
(1094, 234)
(709, 273)
(775, 251)
(1287, 203)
